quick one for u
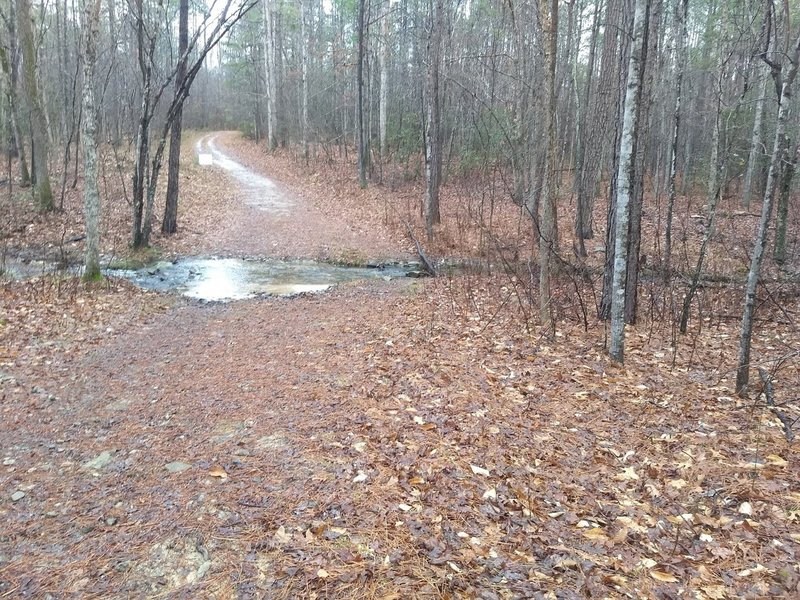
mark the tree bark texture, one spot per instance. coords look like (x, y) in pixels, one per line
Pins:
(547, 228)
(433, 133)
(170, 222)
(625, 176)
(91, 194)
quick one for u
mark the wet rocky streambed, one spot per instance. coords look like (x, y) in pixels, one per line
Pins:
(222, 279)
(215, 279)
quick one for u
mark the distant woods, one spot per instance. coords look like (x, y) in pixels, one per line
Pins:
(594, 118)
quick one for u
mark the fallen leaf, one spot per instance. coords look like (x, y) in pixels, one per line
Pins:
(323, 574)
(404, 507)
(620, 536)
(361, 477)
(281, 537)
(628, 474)
(745, 509)
(218, 471)
(759, 568)
(663, 576)
(490, 494)
(359, 446)
(615, 580)
(596, 533)
(647, 563)
(479, 470)
(714, 592)
(777, 461)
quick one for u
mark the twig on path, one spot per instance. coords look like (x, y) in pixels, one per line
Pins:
(426, 263)
(769, 392)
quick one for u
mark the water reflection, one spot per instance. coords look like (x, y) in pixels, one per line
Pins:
(225, 279)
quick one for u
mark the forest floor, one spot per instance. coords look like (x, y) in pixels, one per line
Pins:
(391, 439)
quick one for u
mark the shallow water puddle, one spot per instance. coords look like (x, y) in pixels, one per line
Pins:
(225, 279)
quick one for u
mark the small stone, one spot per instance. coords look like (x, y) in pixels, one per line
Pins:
(177, 466)
(98, 462)
(17, 496)
(111, 521)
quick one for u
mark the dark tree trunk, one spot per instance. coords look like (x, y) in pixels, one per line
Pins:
(170, 222)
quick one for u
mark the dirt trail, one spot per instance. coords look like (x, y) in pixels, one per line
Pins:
(261, 217)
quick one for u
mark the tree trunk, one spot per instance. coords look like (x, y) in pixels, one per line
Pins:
(304, 77)
(433, 135)
(9, 62)
(91, 193)
(583, 216)
(384, 83)
(625, 177)
(782, 218)
(548, 16)
(714, 180)
(116, 101)
(646, 90)
(170, 223)
(360, 134)
(778, 156)
(605, 107)
(681, 33)
(269, 72)
(756, 145)
(42, 190)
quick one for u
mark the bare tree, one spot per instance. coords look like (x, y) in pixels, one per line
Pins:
(170, 221)
(783, 83)
(360, 133)
(91, 195)
(304, 78)
(146, 171)
(9, 63)
(383, 54)
(270, 72)
(625, 182)
(545, 225)
(433, 124)
(681, 35)
(38, 121)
